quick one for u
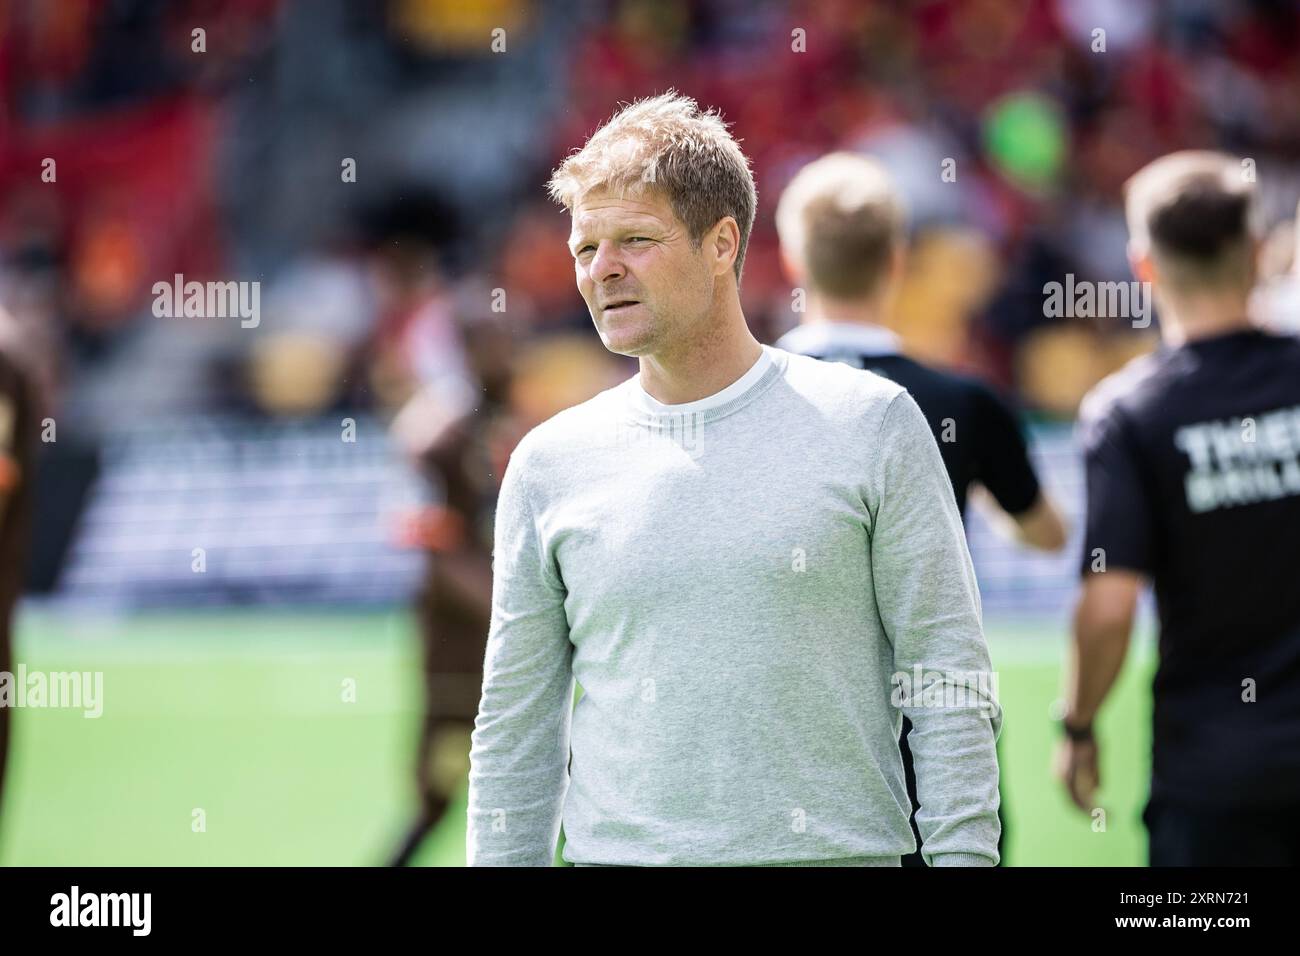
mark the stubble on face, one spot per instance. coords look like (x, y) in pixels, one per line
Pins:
(649, 259)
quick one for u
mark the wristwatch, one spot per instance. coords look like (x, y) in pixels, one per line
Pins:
(1077, 734)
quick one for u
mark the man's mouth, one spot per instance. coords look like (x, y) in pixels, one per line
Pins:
(620, 304)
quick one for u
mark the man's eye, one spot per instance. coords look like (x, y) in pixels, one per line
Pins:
(585, 248)
(639, 239)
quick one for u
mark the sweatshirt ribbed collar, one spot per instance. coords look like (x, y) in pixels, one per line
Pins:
(644, 408)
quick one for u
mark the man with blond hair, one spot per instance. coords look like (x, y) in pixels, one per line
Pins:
(842, 223)
(751, 562)
(1192, 458)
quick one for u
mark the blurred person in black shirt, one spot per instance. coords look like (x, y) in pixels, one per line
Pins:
(842, 225)
(1192, 458)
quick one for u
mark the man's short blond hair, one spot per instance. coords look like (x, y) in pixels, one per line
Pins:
(665, 144)
(840, 219)
(1192, 211)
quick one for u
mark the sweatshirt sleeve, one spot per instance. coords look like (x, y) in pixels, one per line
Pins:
(929, 605)
(519, 751)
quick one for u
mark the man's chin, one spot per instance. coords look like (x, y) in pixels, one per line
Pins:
(626, 341)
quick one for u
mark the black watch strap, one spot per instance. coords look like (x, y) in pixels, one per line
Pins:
(1077, 734)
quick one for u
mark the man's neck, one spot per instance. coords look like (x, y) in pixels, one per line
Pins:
(855, 312)
(1190, 321)
(704, 366)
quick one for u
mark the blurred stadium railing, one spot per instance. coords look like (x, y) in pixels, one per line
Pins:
(1015, 579)
(287, 513)
(284, 513)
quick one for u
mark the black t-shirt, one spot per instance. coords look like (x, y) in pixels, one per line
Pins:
(1192, 459)
(978, 434)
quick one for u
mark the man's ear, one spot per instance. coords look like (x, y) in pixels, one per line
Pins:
(1256, 259)
(1295, 243)
(790, 265)
(724, 243)
(1144, 270)
(898, 263)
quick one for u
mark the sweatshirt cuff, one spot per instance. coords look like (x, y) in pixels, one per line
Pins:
(961, 859)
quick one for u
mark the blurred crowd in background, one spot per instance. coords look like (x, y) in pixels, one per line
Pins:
(213, 139)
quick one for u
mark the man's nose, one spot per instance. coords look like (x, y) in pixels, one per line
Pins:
(605, 263)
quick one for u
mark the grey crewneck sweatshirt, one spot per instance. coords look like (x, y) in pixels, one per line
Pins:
(751, 590)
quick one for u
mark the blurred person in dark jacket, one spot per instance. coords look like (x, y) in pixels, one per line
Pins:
(459, 443)
(19, 420)
(462, 450)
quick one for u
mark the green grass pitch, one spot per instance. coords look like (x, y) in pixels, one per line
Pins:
(242, 716)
